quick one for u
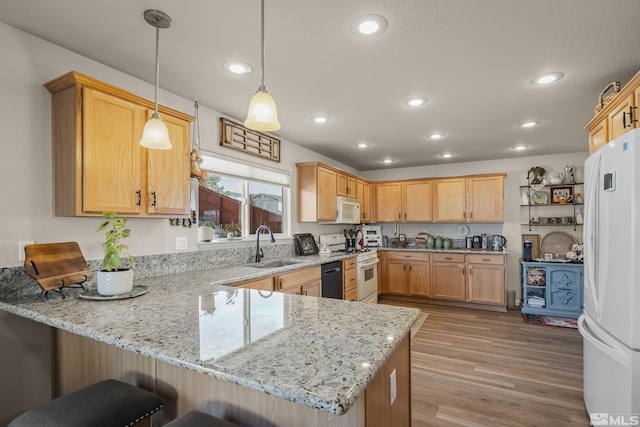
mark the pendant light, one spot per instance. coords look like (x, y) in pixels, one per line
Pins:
(262, 114)
(155, 134)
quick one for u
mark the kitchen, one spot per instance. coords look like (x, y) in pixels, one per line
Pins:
(28, 216)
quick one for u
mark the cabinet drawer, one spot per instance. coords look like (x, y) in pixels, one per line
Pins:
(350, 279)
(486, 259)
(265, 284)
(349, 263)
(410, 256)
(297, 278)
(447, 257)
(351, 295)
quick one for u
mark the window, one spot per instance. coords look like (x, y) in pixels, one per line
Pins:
(239, 205)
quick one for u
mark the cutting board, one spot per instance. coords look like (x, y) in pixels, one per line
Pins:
(56, 265)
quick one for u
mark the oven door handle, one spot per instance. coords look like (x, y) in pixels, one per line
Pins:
(368, 264)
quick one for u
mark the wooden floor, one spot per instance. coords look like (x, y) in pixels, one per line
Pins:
(480, 368)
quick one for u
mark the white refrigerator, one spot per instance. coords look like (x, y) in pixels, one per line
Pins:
(610, 323)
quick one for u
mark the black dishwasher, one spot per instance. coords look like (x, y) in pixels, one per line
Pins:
(332, 280)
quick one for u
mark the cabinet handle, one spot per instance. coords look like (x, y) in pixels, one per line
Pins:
(405, 215)
(464, 215)
(462, 269)
(304, 293)
(364, 214)
(139, 194)
(153, 193)
(486, 259)
(470, 270)
(448, 257)
(411, 268)
(471, 215)
(631, 119)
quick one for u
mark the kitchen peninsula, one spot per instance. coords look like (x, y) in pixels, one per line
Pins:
(253, 357)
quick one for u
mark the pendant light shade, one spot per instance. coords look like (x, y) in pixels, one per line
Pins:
(155, 134)
(262, 114)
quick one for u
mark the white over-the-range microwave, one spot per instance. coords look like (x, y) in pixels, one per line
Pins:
(348, 211)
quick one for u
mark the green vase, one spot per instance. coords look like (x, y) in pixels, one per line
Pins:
(446, 243)
(430, 242)
(438, 242)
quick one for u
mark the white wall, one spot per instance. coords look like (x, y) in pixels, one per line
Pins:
(514, 215)
(25, 165)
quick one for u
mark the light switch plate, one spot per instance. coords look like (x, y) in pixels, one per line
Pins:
(21, 245)
(181, 244)
(393, 390)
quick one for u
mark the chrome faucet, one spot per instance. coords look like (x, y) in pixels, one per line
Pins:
(259, 253)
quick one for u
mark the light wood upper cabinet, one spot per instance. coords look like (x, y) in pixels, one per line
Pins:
(316, 190)
(619, 116)
(485, 198)
(363, 190)
(388, 202)
(469, 199)
(98, 164)
(450, 200)
(346, 186)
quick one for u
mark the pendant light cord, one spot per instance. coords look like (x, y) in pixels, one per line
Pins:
(262, 88)
(155, 107)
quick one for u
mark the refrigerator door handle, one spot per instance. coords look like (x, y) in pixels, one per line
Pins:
(614, 353)
(591, 233)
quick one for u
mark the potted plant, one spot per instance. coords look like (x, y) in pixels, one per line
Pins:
(232, 230)
(206, 231)
(113, 280)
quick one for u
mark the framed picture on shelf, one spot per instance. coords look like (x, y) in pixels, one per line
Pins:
(305, 244)
(561, 195)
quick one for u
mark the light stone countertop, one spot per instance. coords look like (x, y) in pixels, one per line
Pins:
(318, 352)
(449, 251)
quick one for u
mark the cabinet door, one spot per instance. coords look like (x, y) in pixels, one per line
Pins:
(449, 281)
(486, 283)
(387, 202)
(312, 289)
(564, 285)
(598, 136)
(265, 284)
(327, 203)
(449, 196)
(365, 207)
(419, 275)
(618, 119)
(342, 188)
(396, 277)
(111, 154)
(417, 201)
(485, 198)
(168, 172)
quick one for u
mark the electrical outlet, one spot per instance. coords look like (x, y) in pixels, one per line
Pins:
(181, 244)
(393, 390)
(21, 245)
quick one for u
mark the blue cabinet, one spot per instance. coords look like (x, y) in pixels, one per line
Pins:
(552, 289)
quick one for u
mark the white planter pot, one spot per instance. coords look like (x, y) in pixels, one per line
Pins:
(115, 282)
(205, 234)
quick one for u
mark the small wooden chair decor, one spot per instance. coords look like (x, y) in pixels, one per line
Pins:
(55, 266)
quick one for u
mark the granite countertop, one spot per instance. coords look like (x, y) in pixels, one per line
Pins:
(449, 251)
(318, 352)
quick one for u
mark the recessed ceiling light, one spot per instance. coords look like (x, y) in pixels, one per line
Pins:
(529, 124)
(362, 145)
(387, 161)
(416, 101)
(446, 155)
(546, 78)
(319, 119)
(436, 135)
(368, 25)
(237, 67)
(520, 147)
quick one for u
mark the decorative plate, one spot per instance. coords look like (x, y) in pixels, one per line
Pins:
(557, 243)
(462, 230)
(539, 198)
(93, 294)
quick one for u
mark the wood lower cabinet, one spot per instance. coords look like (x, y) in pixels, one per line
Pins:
(350, 279)
(408, 273)
(98, 164)
(301, 282)
(487, 281)
(449, 276)
(472, 278)
(265, 284)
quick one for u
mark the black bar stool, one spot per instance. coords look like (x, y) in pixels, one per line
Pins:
(109, 403)
(196, 418)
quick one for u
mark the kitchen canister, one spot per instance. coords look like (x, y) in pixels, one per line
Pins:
(438, 242)
(446, 243)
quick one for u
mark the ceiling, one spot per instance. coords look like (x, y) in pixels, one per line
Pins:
(472, 59)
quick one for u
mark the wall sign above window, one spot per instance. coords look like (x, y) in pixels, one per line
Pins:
(238, 137)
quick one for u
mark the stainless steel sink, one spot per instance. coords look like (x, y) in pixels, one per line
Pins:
(274, 264)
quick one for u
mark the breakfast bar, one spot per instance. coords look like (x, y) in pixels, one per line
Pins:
(253, 357)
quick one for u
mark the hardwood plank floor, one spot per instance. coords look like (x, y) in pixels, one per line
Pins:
(482, 368)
